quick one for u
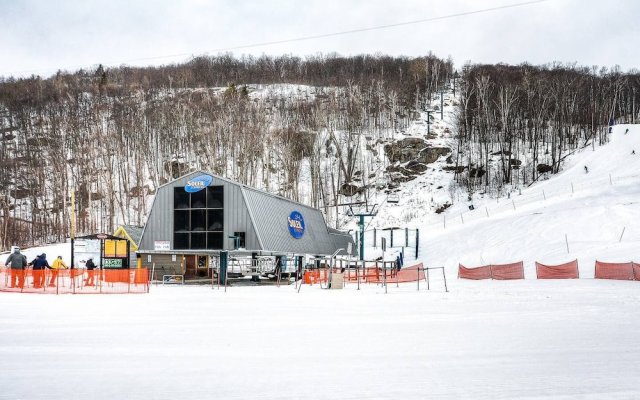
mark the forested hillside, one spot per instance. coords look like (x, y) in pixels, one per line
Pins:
(113, 136)
(321, 130)
(517, 123)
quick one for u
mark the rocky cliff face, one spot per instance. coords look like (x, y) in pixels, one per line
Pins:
(410, 156)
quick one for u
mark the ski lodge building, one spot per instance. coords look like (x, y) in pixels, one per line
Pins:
(198, 215)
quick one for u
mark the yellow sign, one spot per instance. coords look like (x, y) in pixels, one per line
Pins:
(115, 248)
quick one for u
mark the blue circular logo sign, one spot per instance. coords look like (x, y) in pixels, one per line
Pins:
(296, 224)
(198, 183)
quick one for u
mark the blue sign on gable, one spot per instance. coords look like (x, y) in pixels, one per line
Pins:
(296, 224)
(198, 183)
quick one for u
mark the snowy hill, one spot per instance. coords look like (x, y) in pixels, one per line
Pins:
(592, 209)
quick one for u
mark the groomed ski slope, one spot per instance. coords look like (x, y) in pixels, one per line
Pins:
(530, 339)
(595, 213)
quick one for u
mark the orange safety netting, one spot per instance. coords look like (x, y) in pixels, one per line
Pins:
(508, 271)
(368, 274)
(636, 271)
(562, 271)
(499, 272)
(477, 273)
(408, 274)
(74, 281)
(411, 274)
(619, 271)
(320, 275)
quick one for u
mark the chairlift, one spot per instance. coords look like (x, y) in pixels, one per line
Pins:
(393, 198)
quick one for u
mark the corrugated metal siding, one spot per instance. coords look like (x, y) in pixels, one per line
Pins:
(159, 225)
(270, 215)
(236, 217)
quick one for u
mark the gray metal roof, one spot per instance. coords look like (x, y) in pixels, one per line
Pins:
(267, 214)
(134, 232)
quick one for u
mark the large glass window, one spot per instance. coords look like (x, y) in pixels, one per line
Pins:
(215, 240)
(198, 240)
(198, 218)
(215, 220)
(181, 221)
(181, 241)
(199, 199)
(215, 197)
(180, 198)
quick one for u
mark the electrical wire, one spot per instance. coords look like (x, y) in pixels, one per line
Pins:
(314, 37)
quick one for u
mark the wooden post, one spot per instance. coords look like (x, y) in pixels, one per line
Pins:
(566, 240)
(620, 240)
(487, 210)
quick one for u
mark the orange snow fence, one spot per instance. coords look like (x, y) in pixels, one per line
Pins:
(618, 271)
(636, 271)
(499, 272)
(562, 271)
(368, 274)
(508, 271)
(411, 274)
(408, 274)
(474, 273)
(75, 281)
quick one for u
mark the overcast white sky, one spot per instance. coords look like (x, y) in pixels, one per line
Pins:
(42, 36)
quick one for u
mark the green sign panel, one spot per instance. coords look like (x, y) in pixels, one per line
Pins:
(112, 263)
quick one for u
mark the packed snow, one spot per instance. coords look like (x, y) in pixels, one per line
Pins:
(528, 339)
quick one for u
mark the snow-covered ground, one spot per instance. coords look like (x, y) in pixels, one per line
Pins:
(531, 339)
(483, 340)
(595, 214)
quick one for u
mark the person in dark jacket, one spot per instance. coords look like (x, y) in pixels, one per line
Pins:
(17, 262)
(38, 265)
(90, 272)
